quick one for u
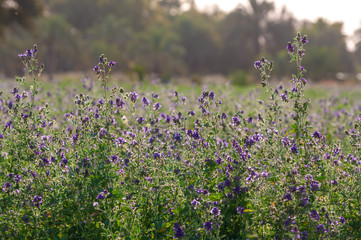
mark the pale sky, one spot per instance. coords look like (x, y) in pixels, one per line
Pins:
(347, 11)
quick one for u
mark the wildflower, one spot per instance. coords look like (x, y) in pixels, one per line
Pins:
(257, 64)
(236, 121)
(95, 204)
(342, 220)
(321, 228)
(240, 210)
(102, 133)
(290, 48)
(304, 39)
(17, 178)
(119, 102)
(305, 201)
(284, 96)
(215, 211)
(179, 233)
(288, 221)
(111, 64)
(97, 69)
(145, 101)
(6, 186)
(315, 186)
(156, 155)
(208, 226)
(156, 106)
(294, 148)
(133, 96)
(211, 95)
(316, 135)
(304, 235)
(100, 196)
(285, 141)
(140, 120)
(195, 203)
(314, 215)
(287, 197)
(37, 201)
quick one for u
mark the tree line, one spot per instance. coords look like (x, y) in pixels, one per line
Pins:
(167, 37)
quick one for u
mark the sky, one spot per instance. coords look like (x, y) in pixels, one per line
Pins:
(347, 11)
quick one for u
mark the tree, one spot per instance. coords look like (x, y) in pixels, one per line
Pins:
(19, 11)
(258, 21)
(357, 53)
(199, 38)
(327, 52)
(58, 44)
(237, 45)
(280, 30)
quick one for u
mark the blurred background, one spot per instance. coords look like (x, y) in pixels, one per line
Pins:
(182, 39)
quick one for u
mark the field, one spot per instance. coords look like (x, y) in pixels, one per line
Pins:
(95, 160)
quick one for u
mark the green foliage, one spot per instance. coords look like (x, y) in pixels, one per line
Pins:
(239, 78)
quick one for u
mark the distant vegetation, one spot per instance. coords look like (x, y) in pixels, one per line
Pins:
(167, 37)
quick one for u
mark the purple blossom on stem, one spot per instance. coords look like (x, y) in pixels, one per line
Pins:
(179, 233)
(215, 211)
(240, 210)
(290, 48)
(208, 226)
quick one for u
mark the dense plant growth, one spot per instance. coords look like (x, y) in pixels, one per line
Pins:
(111, 164)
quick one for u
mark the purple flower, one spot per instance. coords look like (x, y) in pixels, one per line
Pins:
(257, 64)
(17, 178)
(215, 211)
(140, 120)
(315, 186)
(102, 133)
(240, 210)
(316, 135)
(208, 226)
(304, 201)
(6, 186)
(100, 196)
(314, 215)
(294, 148)
(304, 39)
(290, 48)
(236, 121)
(119, 102)
(321, 228)
(211, 95)
(304, 235)
(145, 101)
(287, 197)
(288, 221)
(37, 201)
(156, 106)
(342, 220)
(179, 233)
(133, 96)
(111, 64)
(285, 141)
(195, 203)
(97, 69)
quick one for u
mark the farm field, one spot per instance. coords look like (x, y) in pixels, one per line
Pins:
(97, 160)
